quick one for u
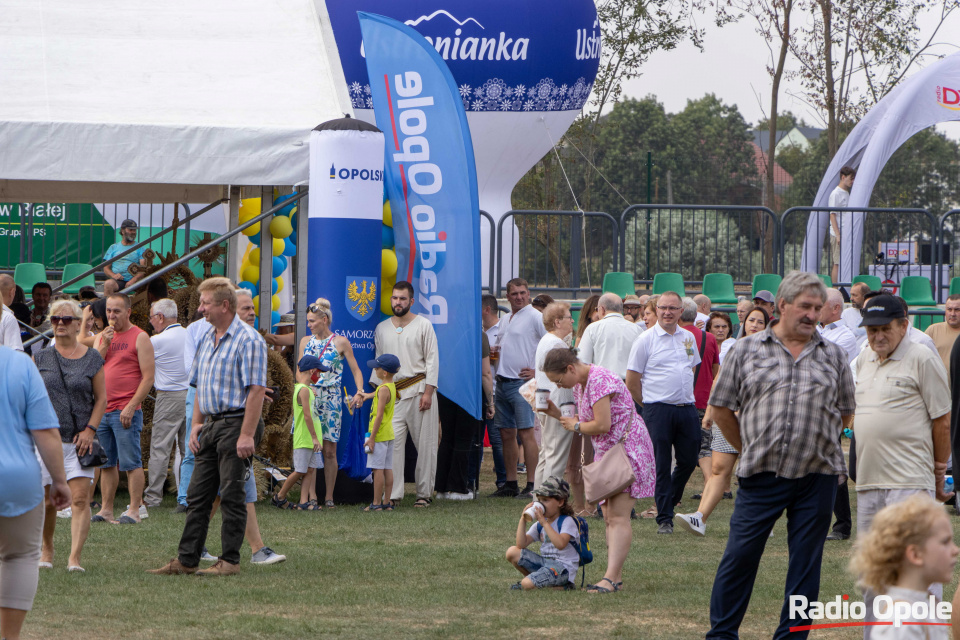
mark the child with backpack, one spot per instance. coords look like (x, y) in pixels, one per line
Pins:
(562, 540)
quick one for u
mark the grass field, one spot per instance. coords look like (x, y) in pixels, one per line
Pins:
(432, 573)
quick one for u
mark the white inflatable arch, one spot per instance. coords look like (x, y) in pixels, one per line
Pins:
(927, 98)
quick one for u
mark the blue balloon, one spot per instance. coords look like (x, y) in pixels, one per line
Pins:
(287, 210)
(252, 288)
(289, 248)
(256, 323)
(292, 237)
(274, 318)
(274, 285)
(387, 240)
(279, 265)
(293, 220)
(255, 238)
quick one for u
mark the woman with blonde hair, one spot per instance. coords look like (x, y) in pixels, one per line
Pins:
(650, 312)
(73, 375)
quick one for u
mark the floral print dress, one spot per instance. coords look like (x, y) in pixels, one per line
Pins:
(328, 402)
(624, 420)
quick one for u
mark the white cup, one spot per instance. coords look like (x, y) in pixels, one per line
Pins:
(542, 399)
(568, 409)
(531, 513)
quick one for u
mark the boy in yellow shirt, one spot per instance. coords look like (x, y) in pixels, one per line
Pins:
(379, 441)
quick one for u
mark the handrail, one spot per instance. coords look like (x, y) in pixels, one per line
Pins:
(493, 247)
(934, 233)
(196, 252)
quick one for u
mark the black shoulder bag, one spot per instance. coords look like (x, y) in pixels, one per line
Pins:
(96, 456)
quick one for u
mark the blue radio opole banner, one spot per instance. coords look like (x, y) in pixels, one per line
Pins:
(432, 185)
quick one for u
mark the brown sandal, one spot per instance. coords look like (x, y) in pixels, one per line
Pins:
(649, 513)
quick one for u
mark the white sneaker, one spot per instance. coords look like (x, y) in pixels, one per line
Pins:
(143, 511)
(442, 496)
(266, 555)
(65, 513)
(207, 557)
(460, 496)
(691, 523)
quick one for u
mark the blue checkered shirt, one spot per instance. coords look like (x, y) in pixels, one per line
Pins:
(222, 372)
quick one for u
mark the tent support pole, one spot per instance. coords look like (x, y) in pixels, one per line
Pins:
(266, 261)
(233, 244)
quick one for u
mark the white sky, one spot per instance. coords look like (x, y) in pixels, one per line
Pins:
(733, 65)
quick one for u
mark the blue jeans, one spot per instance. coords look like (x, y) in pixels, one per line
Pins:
(677, 429)
(496, 449)
(121, 445)
(761, 501)
(186, 465)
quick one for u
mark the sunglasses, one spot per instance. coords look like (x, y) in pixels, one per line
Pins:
(64, 320)
(315, 308)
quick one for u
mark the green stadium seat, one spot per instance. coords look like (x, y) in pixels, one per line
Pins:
(576, 318)
(874, 282)
(954, 285)
(27, 274)
(916, 291)
(922, 322)
(663, 282)
(826, 280)
(73, 270)
(766, 282)
(719, 288)
(619, 282)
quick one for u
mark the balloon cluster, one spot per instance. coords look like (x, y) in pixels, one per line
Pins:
(388, 263)
(283, 230)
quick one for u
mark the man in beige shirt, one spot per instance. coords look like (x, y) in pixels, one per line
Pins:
(411, 338)
(903, 417)
(944, 334)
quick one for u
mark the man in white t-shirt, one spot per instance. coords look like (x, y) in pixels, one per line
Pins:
(170, 380)
(607, 342)
(703, 311)
(833, 328)
(9, 327)
(517, 340)
(841, 223)
(660, 373)
(490, 319)
(851, 315)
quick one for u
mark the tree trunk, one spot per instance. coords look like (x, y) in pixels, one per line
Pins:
(826, 10)
(770, 193)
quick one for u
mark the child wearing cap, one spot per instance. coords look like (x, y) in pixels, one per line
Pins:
(379, 442)
(556, 564)
(307, 444)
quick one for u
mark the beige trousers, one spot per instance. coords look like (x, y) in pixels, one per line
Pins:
(169, 427)
(19, 558)
(424, 429)
(554, 448)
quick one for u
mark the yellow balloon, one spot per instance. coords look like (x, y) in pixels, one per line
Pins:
(279, 280)
(280, 227)
(256, 304)
(249, 208)
(388, 268)
(278, 246)
(252, 230)
(387, 214)
(385, 294)
(250, 273)
(275, 302)
(254, 256)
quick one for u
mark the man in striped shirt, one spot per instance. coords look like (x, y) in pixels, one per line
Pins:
(230, 373)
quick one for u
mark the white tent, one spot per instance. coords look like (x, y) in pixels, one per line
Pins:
(928, 97)
(137, 101)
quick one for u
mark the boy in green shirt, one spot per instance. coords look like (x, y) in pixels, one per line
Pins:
(379, 441)
(307, 444)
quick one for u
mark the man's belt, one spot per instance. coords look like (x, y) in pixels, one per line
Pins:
(409, 382)
(234, 413)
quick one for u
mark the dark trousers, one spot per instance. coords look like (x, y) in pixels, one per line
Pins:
(496, 448)
(217, 467)
(475, 458)
(458, 431)
(841, 506)
(761, 500)
(677, 430)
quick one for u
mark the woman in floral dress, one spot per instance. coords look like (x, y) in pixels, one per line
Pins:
(607, 415)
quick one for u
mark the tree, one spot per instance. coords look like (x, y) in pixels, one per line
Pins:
(873, 42)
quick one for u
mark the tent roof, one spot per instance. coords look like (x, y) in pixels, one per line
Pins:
(172, 99)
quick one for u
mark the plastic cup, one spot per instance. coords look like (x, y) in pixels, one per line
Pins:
(568, 410)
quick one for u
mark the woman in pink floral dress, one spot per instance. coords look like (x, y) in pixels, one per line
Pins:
(607, 415)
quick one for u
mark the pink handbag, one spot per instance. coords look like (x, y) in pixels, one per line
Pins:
(609, 475)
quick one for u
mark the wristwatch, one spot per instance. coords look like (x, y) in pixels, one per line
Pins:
(90, 426)
(576, 428)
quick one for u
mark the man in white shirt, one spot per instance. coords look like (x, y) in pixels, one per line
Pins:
(832, 326)
(703, 311)
(660, 376)
(170, 381)
(851, 315)
(517, 340)
(9, 327)
(490, 319)
(607, 342)
(840, 222)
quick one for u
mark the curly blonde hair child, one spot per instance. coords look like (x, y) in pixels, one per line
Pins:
(878, 557)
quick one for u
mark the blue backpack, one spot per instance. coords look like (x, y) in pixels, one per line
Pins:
(581, 543)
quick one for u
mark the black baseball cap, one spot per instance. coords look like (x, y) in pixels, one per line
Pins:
(880, 310)
(128, 224)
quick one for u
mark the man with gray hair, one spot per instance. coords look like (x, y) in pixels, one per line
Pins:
(703, 305)
(9, 327)
(170, 409)
(784, 396)
(833, 328)
(607, 341)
